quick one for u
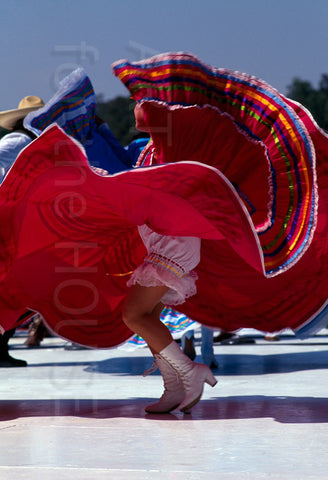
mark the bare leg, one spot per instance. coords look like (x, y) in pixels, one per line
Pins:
(141, 313)
(183, 379)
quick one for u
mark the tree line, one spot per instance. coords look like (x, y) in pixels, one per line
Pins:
(118, 112)
(314, 99)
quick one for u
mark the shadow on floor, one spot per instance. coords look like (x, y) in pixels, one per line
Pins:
(285, 410)
(229, 364)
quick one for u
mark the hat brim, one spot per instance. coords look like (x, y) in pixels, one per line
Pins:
(10, 117)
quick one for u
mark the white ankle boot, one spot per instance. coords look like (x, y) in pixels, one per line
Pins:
(193, 375)
(173, 389)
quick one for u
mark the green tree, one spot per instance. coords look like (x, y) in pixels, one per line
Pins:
(315, 100)
(118, 114)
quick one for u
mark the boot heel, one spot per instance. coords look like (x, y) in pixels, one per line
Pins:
(210, 379)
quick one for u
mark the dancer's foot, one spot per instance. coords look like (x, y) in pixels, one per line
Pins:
(192, 375)
(173, 389)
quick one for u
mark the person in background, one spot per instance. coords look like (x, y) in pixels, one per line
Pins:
(13, 138)
(207, 351)
(37, 332)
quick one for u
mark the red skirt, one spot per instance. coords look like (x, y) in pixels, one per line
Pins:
(244, 170)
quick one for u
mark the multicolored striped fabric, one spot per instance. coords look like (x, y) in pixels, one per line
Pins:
(260, 113)
(73, 108)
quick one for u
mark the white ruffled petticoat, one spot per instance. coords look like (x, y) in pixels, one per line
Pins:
(170, 261)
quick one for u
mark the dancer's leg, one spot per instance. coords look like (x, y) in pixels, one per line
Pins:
(141, 313)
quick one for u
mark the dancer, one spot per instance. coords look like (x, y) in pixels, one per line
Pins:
(14, 137)
(166, 277)
(270, 149)
(232, 165)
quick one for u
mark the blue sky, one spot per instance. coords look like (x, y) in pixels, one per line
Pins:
(42, 41)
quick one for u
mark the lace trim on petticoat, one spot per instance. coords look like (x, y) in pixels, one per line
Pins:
(152, 274)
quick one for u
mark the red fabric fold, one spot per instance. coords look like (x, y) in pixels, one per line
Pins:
(71, 240)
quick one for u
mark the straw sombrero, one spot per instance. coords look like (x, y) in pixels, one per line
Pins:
(25, 106)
